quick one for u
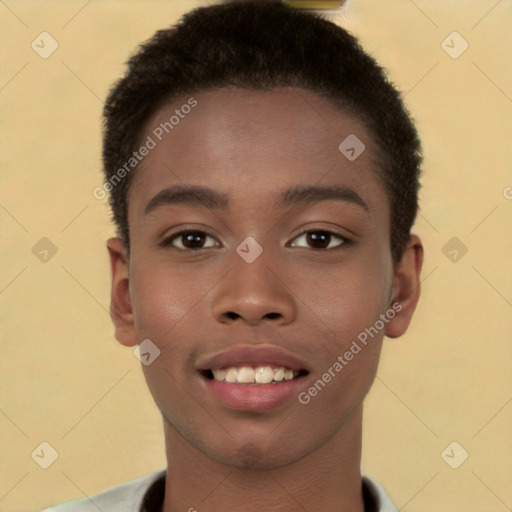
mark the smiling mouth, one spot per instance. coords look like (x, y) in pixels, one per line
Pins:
(253, 375)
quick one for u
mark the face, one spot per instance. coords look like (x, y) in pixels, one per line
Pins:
(268, 276)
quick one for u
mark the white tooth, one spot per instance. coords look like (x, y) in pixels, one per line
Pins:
(264, 374)
(231, 374)
(279, 374)
(246, 375)
(288, 375)
(219, 374)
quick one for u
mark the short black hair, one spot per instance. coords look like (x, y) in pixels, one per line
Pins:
(261, 45)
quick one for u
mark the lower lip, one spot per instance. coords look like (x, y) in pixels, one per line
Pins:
(251, 397)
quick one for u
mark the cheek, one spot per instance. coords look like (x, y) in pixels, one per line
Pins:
(169, 308)
(334, 394)
(348, 348)
(346, 310)
(162, 301)
(342, 304)
(163, 306)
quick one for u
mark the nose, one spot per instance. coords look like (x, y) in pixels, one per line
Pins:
(252, 293)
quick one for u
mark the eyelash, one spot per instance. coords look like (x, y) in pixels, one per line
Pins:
(168, 241)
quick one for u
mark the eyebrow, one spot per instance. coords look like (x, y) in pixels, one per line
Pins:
(300, 195)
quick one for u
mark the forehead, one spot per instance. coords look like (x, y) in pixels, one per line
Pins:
(241, 141)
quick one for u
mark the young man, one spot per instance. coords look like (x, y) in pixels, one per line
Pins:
(263, 177)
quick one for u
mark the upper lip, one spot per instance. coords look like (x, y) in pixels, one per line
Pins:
(251, 355)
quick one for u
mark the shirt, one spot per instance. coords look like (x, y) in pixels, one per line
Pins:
(146, 494)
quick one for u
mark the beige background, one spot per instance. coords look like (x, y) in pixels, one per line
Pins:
(66, 381)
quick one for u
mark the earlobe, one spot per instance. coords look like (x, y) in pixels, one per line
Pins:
(406, 288)
(120, 302)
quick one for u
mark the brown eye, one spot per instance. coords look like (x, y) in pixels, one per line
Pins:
(319, 239)
(188, 240)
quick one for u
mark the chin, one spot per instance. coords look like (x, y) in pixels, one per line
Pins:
(257, 456)
(254, 457)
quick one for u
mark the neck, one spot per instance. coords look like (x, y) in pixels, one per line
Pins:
(329, 478)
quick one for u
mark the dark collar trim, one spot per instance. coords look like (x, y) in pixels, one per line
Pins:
(154, 498)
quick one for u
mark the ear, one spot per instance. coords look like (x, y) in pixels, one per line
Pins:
(120, 303)
(406, 288)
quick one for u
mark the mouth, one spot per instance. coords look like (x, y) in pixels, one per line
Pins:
(252, 378)
(253, 375)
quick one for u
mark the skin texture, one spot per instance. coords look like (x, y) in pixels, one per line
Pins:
(309, 301)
